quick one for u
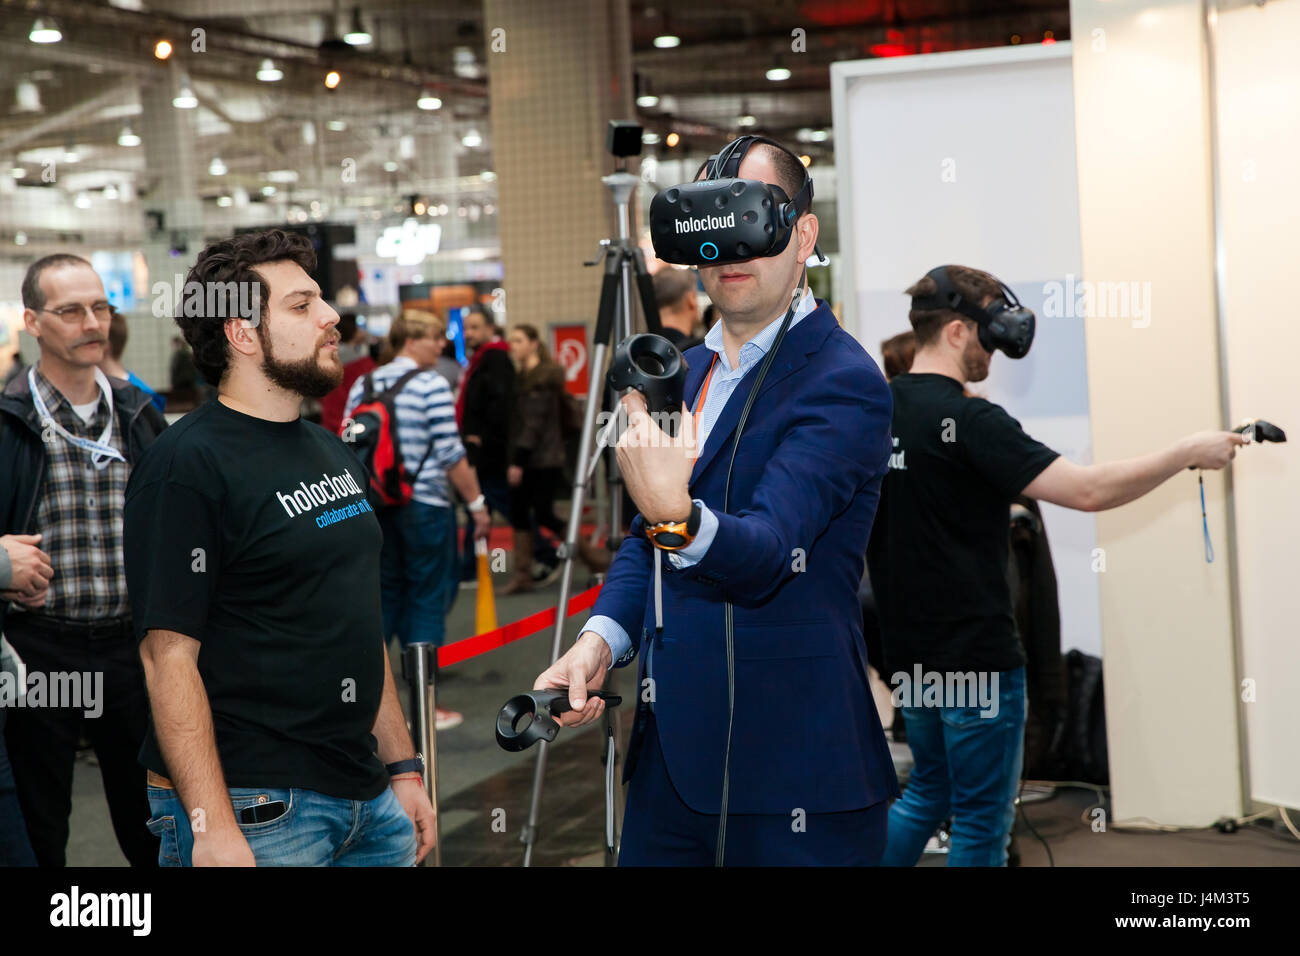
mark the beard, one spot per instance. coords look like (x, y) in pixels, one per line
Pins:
(302, 376)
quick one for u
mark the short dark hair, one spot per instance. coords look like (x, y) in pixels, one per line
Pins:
(232, 261)
(117, 333)
(33, 297)
(975, 286)
(898, 352)
(671, 285)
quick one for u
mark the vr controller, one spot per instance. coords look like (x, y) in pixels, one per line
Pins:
(1256, 429)
(540, 707)
(654, 367)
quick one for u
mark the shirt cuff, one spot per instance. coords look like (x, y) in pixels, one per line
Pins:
(620, 645)
(694, 552)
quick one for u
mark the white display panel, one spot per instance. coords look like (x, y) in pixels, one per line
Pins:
(1257, 88)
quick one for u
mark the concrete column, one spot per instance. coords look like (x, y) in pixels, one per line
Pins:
(564, 74)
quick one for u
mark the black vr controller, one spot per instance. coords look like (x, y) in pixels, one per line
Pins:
(722, 219)
(540, 707)
(654, 367)
(1256, 429)
(1003, 324)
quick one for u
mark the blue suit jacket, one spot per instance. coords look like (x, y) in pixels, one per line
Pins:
(789, 555)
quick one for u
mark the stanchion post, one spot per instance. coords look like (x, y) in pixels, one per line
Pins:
(420, 662)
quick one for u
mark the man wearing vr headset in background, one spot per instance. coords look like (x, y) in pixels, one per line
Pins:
(938, 557)
(756, 740)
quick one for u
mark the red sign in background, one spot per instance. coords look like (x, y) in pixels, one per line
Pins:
(569, 346)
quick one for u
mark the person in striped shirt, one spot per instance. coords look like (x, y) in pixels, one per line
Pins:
(419, 549)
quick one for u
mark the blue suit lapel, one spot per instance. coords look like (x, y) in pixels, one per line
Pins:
(799, 343)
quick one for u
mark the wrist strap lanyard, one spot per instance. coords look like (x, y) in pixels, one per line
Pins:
(101, 451)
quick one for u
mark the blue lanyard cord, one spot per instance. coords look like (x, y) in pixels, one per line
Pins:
(1205, 524)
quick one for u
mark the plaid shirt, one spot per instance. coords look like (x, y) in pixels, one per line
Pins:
(80, 516)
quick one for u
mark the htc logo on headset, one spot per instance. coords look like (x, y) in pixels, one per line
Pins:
(705, 222)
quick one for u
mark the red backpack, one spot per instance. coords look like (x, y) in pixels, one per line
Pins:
(371, 431)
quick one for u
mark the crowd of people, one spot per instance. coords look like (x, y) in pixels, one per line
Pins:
(491, 437)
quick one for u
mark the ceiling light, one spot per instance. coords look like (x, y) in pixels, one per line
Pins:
(805, 159)
(358, 35)
(110, 191)
(225, 201)
(268, 190)
(487, 176)
(667, 41)
(419, 208)
(216, 167)
(185, 99)
(672, 139)
(70, 155)
(390, 166)
(82, 201)
(333, 79)
(649, 138)
(747, 120)
(778, 73)
(127, 138)
(647, 101)
(336, 126)
(267, 72)
(162, 49)
(818, 136)
(45, 31)
(20, 238)
(27, 97)
(18, 172)
(283, 175)
(428, 101)
(472, 139)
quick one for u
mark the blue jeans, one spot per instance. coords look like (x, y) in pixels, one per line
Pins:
(315, 830)
(415, 575)
(966, 766)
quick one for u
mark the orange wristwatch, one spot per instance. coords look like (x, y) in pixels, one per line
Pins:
(675, 535)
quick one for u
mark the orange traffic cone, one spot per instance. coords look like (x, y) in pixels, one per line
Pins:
(485, 612)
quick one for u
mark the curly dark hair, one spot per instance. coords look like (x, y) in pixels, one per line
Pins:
(233, 261)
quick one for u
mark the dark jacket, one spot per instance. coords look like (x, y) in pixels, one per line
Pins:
(536, 429)
(804, 491)
(489, 403)
(22, 453)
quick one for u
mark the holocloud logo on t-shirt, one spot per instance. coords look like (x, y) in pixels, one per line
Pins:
(329, 488)
(896, 458)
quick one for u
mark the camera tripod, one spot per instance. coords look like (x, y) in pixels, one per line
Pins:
(624, 265)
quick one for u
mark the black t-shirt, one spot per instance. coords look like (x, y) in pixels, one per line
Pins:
(939, 546)
(255, 538)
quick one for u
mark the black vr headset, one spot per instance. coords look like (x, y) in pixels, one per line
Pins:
(1003, 324)
(722, 219)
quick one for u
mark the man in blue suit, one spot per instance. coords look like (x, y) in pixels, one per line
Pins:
(791, 759)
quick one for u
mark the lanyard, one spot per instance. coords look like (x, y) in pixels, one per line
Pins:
(704, 393)
(101, 452)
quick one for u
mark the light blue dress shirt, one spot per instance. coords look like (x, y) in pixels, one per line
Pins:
(721, 386)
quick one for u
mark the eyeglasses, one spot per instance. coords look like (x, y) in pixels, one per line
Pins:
(101, 311)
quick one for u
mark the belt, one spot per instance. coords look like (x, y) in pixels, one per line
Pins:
(158, 780)
(119, 627)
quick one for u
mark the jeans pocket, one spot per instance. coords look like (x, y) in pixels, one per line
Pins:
(245, 798)
(169, 851)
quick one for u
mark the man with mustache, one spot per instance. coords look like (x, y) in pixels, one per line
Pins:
(69, 438)
(253, 557)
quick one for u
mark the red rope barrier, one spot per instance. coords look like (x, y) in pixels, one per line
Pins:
(525, 627)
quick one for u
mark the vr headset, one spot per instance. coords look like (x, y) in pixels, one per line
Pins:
(1004, 323)
(722, 219)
